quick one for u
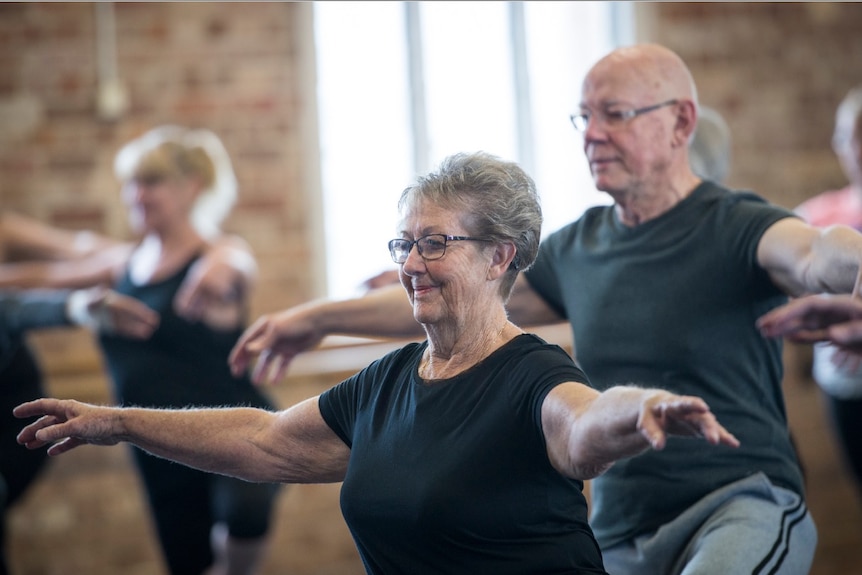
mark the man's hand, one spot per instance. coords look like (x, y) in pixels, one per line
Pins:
(275, 339)
(810, 319)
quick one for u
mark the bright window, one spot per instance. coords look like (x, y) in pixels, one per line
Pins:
(401, 85)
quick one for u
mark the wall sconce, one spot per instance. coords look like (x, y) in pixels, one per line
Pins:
(112, 98)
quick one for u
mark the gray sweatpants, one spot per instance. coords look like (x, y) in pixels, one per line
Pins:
(750, 527)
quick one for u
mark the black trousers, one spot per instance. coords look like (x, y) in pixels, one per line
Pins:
(20, 381)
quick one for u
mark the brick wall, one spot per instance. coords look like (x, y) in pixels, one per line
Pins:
(776, 71)
(232, 67)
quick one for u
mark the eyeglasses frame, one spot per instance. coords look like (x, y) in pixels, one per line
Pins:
(446, 239)
(624, 115)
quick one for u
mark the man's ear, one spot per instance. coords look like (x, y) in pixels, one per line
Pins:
(686, 121)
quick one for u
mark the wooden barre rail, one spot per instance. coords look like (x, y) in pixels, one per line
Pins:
(341, 354)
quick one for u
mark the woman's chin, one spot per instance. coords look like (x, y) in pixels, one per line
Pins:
(422, 314)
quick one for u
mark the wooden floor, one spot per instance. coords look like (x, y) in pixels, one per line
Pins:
(832, 499)
(85, 515)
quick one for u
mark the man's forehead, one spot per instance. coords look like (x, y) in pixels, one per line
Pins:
(621, 78)
(607, 91)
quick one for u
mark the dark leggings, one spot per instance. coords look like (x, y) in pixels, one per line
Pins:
(186, 503)
(846, 419)
(20, 381)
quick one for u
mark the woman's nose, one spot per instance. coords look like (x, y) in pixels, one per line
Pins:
(414, 260)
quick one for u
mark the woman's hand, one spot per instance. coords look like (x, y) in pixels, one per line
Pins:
(587, 431)
(67, 424)
(664, 414)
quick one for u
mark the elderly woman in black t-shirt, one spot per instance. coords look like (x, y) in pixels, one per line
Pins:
(465, 453)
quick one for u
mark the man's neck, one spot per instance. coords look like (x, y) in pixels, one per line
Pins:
(640, 206)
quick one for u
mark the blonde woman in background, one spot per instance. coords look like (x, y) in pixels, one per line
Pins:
(178, 185)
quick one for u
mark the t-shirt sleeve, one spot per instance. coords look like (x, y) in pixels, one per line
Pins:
(341, 406)
(24, 310)
(749, 216)
(337, 408)
(542, 275)
(547, 367)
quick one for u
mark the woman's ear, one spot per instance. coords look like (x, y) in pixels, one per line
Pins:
(504, 254)
(197, 184)
(193, 188)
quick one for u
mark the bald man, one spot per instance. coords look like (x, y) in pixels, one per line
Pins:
(662, 288)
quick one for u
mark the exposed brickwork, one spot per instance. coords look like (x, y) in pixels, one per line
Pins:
(776, 71)
(225, 66)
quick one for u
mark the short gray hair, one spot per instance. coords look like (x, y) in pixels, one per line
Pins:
(847, 118)
(498, 199)
(709, 150)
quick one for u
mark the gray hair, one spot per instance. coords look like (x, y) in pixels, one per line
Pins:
(709, 150)
(498, 199)
(176, 151)
(847, 118)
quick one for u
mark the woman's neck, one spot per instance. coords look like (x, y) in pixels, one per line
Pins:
(159, 255)
(449, 354)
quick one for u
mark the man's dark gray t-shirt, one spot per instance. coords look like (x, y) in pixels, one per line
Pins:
(672, 303)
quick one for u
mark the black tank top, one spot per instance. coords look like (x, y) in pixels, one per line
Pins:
(183, 364)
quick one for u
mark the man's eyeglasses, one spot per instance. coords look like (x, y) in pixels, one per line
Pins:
(613, 118)
(431, 247)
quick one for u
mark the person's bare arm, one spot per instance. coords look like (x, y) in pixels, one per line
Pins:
(526, 307)
(98, 268)
(222, 279)
(276, 339)
(24, 238)
(290, 446)
(106, 311)
(587, 431)
(803, 259)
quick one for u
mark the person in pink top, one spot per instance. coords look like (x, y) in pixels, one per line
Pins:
(839, 376)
